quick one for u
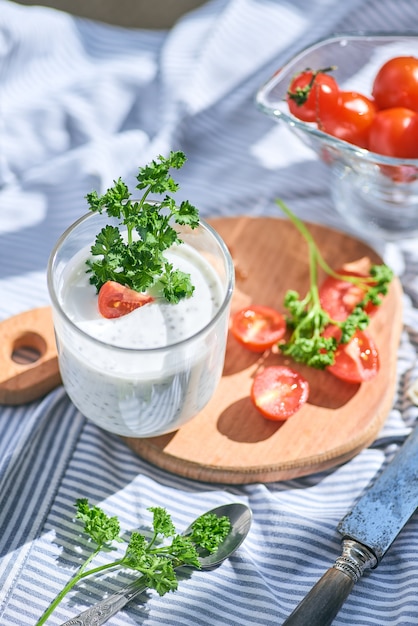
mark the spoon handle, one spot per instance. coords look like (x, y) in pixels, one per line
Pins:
(100, 612)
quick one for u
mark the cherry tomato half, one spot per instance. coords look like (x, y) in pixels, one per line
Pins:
(356, 361)
(350, 119)
(396, 84)
(116, 300)
(278, 392)
(394, 132)
(339, 297)
(258, 327)
(310, 93)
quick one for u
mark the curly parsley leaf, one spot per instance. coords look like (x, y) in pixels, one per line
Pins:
(306, 318)
(209, 530)
(97, 525)
(136, 257)
(175, 284)
(162, 522)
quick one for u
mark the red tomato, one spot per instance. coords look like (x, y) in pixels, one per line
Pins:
(350, 120)
(257, 327)
(396, 84)
(310, 93)
(278, 392)
(394, 132)
(339, 297)
(400, 173)
(116, 300)
(356, 361)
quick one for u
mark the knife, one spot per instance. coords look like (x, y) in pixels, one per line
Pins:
(368, 531)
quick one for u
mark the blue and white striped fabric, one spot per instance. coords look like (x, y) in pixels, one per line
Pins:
(82, 103)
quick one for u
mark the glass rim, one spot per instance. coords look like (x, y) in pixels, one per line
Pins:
(230, 272)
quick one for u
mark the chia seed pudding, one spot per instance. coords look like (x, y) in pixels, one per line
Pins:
(148, 372)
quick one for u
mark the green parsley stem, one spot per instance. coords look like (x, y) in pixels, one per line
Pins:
(81, 573)
(315, 258)
(314, 253)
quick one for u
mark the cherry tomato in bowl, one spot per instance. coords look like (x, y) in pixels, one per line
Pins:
(394, 132)
(356, 361)
(310, 93)
(396, 84)
(350, 119)
(278, 392)
(258, 327)
(116, 300)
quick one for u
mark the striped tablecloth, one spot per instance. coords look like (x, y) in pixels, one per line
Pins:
(82, 103)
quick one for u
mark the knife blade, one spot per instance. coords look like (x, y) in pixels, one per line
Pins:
(368, 531)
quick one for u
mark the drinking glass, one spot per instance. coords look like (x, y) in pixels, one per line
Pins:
(131, 391)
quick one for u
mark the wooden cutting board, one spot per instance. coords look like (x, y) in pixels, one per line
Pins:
(229, 441)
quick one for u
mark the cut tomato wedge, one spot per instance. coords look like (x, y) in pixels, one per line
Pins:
(278, 392)
(339, 297)
(116, 300)
(258, 327)
(356, 361)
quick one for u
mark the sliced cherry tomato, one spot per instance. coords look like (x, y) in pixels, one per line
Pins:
(116, 300)
(350, 119)
(339, 297)
(257, 327)
(278, 392)
(396, 84)
(356, 361)
(310, 93)
(394, 132)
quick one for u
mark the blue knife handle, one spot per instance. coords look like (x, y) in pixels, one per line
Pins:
(325, 599)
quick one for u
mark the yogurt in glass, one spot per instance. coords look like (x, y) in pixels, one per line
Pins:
(149, 372)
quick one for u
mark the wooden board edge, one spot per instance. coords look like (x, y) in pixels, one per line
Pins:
(257, 474)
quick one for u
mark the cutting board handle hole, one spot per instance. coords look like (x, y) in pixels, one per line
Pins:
(28, 348)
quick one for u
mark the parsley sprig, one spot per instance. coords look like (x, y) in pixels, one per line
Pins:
(308, 320)
(155, 558)
(137, 259)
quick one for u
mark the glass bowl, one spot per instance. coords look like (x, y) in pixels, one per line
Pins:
(375, 194)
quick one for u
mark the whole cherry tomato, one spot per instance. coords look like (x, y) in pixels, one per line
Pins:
(278, 392)
(396, 84)
(116, 300)
(350, 119)
(310, 93)
(258, 327)
(394, 132)
(356, 361)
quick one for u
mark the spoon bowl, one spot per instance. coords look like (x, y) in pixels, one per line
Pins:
(239, 515)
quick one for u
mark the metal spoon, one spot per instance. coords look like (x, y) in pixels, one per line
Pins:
(240, 517)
